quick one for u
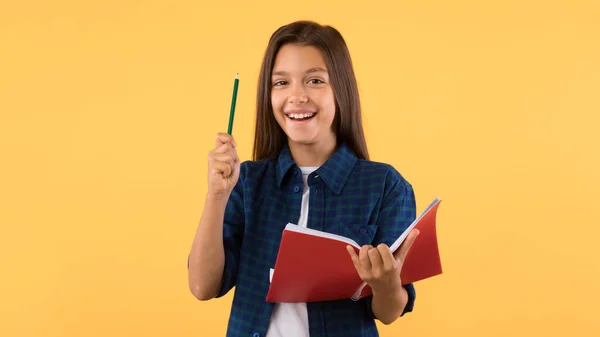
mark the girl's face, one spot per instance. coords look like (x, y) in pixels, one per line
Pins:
(302, 97)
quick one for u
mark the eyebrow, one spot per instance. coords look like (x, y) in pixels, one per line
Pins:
(311, 70)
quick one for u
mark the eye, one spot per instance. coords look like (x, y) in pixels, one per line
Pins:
(315, 81)
(279, 83)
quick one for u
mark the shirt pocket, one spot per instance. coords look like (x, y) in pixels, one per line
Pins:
(362, 234)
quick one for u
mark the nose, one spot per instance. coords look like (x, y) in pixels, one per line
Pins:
(297, 94)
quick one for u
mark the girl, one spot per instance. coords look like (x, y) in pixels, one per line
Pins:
(310, 167)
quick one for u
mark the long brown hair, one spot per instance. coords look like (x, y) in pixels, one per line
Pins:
(269, 138)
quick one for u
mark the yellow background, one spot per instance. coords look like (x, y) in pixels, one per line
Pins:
(108, 109)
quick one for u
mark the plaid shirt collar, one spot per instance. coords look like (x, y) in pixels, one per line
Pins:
(334, 172)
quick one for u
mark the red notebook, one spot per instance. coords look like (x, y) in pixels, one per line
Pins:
(314, 266)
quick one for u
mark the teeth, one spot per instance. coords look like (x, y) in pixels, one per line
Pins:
(301, 116)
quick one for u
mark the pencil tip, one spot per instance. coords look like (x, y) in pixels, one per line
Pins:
(237, 75)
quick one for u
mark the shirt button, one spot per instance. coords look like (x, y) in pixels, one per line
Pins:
(295, 172)
(256, 334)
(296, 188)
(363, 230)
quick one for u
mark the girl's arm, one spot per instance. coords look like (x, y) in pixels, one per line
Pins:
(376, 264)
(207, 256)
(212, 264)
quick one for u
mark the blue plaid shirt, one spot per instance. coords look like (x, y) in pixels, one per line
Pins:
(367, 201)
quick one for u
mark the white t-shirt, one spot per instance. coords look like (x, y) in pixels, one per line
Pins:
(291, 319)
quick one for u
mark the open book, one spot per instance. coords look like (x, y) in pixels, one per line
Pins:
(314, 266)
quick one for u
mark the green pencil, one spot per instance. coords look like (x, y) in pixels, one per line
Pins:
(233, 100)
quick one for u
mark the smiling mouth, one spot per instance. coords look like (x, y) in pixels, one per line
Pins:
(300, 116)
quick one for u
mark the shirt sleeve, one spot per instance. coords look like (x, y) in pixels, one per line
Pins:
(233, 233)
(397, 212)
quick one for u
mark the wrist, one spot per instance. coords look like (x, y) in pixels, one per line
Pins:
(395, 290)
(217, 198)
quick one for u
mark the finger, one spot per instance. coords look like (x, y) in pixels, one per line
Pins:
(234, 155)
(387, 257)
(223, 148)
(354, 257)
(362, 273)
(375, 259)
(223, 157)
(221, 168)
(223, 138)
(363, 257)
(228, 149)
(406, 245)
